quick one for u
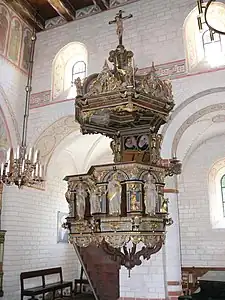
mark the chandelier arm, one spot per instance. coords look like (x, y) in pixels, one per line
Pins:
(28, 89)
(206, 20)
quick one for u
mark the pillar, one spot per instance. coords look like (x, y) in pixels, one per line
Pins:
(172, 244)
(2, 240)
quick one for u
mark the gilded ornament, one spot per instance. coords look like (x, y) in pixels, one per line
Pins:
(122, 204)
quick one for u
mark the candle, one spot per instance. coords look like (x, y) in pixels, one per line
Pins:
(30, 154)
(2, 169)
(40, 171)
(35, 156)
(43, 171)
(18, 152)
(37, 170)
(23, 165)
(32, 175)
(8, 155)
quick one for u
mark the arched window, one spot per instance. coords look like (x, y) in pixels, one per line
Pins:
(222, 184)
(211, 47)
(69, 63)
(78, 70)
(201, 52)
(216, 184)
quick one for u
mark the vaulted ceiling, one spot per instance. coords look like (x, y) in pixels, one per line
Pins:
(37, 12)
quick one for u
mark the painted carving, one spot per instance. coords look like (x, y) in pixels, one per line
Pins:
(114, 190)
(81, 195)
(95, 202)
(15, 40)
(150, 197)
(4, 25)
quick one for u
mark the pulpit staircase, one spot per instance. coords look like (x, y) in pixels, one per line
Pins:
(101, 271)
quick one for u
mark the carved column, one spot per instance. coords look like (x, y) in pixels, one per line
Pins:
(173, 253)
(2, 240)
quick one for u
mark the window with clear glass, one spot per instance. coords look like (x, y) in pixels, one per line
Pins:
(211, 48)
(69, 63)
(78, 70)
(201, 52)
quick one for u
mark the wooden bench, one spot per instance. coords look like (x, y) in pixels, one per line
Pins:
(44, 288)
(80, 282)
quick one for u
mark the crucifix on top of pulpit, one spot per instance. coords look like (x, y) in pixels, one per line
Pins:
(119, 24)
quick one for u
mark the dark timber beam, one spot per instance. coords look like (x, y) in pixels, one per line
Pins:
(63, 8)
(28, 13)
(102, 4)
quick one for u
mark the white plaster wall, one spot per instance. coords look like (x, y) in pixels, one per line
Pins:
(146, 281)
(153, 34)
(201, 244)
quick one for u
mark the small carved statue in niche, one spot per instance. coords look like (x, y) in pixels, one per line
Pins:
(151, 195)
(78, 85)
(114, 190)
(116, 148)
(102, 195)
(159, 140)
(129, 74)
(164, 205)
(155, 148)
(95, 201)
(70, 199)
(168, 94)
(81, 195)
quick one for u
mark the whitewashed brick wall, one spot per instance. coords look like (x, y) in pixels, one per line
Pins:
(30, 218)
(146, 281)
(153, 34)
(201, 245)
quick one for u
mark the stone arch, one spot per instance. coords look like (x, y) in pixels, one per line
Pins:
(52, 136)
(168, 146)
(92, 149)
(62, 64)
(188, 101)
(9, 119)
(197, 58)
(190, 120)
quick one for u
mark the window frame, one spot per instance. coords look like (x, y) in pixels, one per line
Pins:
(207, 31)
(197, 49)
(74, 74)
(222, 186)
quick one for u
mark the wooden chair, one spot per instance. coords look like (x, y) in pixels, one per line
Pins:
(80, 282)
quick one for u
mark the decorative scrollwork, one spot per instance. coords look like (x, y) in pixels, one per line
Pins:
(131, 258)
(174, 167)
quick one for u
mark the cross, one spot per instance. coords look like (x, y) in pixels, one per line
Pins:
(119, 23)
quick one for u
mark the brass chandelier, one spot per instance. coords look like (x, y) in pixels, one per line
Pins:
(203, 10)
(121, 206)
(22, 166)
